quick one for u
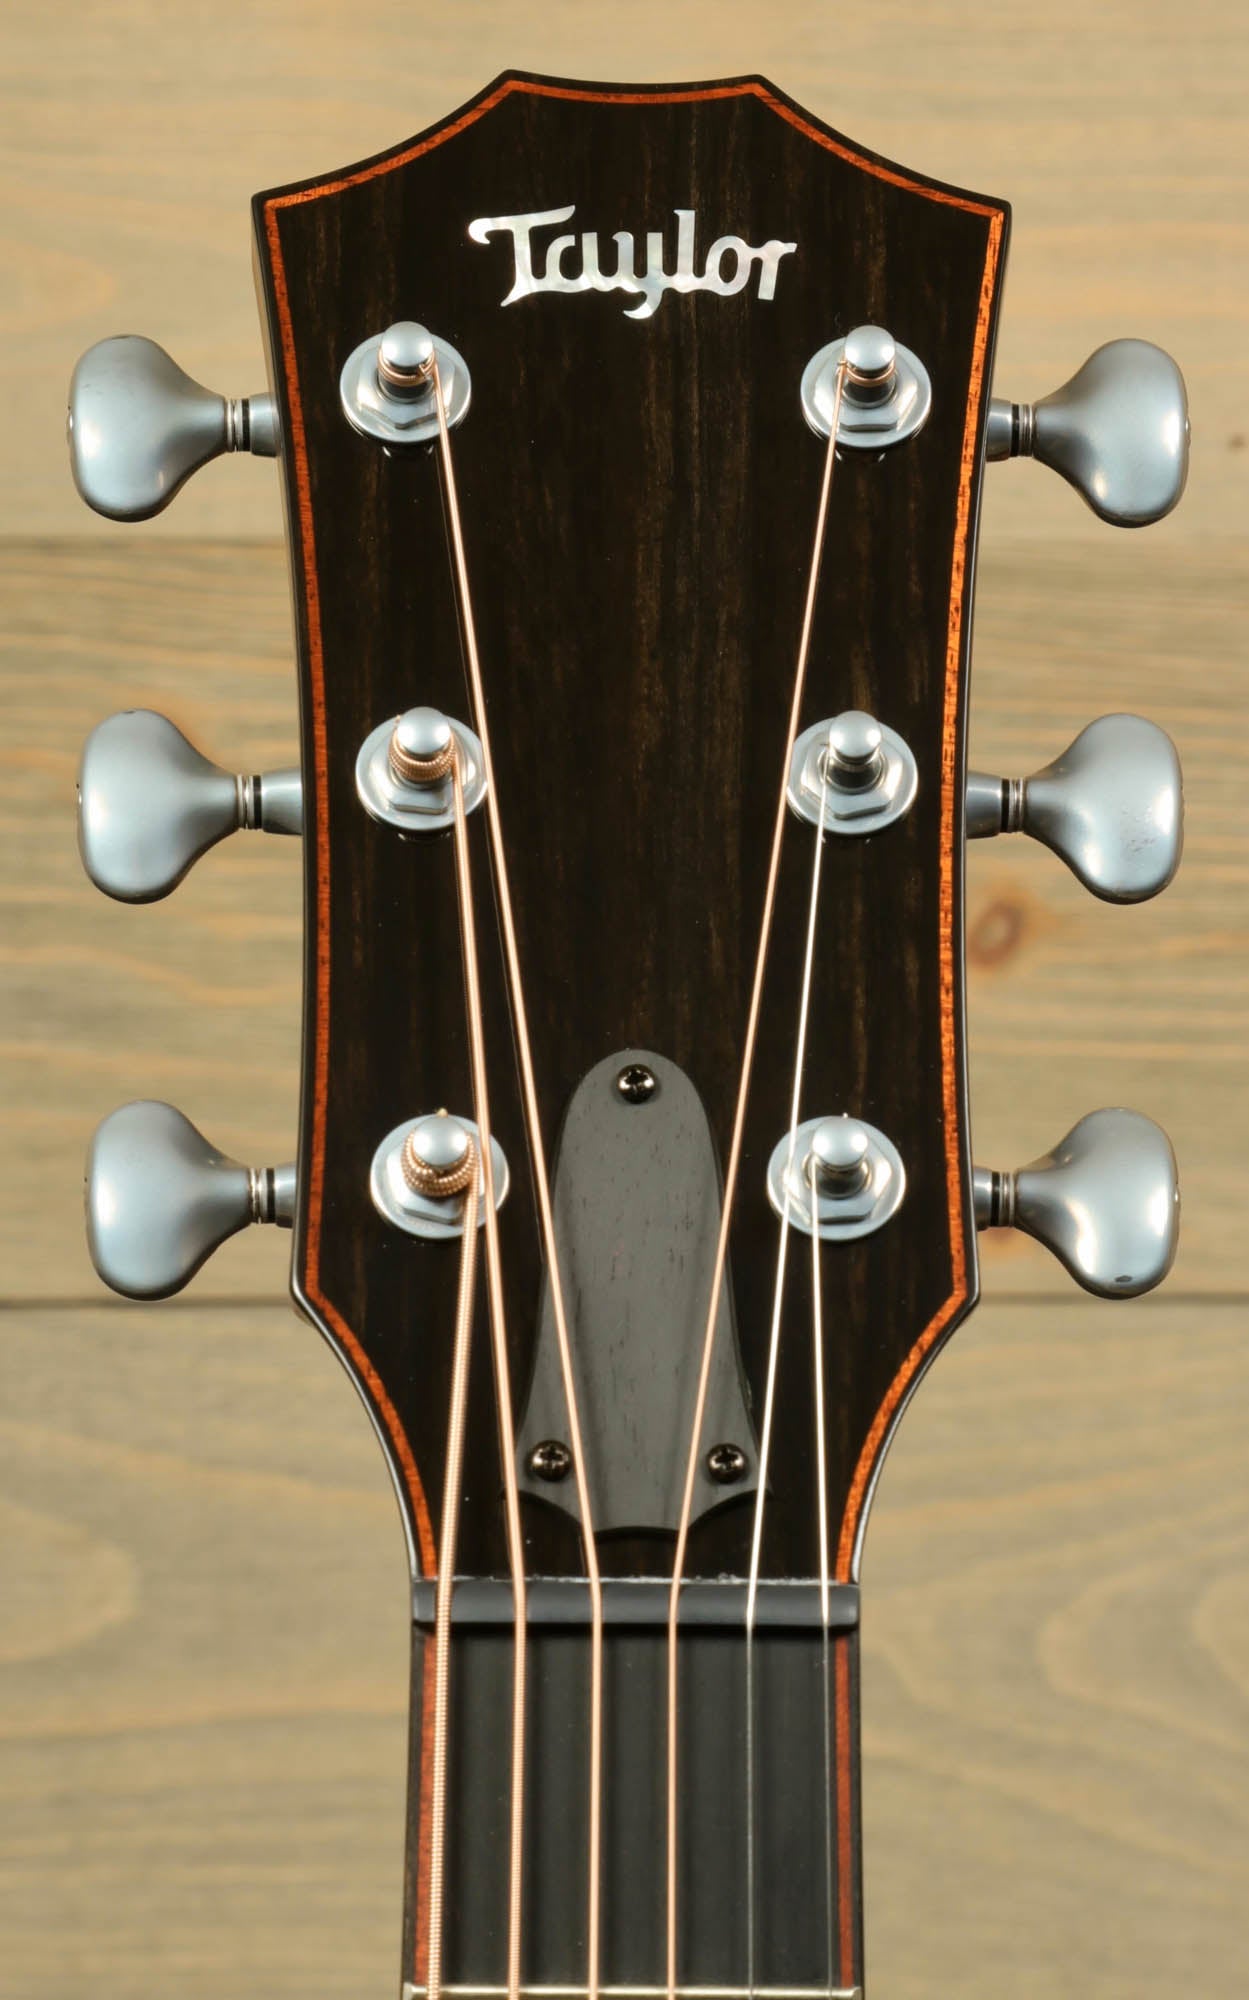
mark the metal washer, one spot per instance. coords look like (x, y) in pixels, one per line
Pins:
(847, 812)
(885, 1191)
(416, 808)
(438, 1218)
(370, 410)
(873, 429)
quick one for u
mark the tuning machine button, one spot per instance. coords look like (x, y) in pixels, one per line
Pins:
(1117, 431)
(139, 427)
(149, 805)
(1111, 806)
(1105, 1200)
(160, 1199)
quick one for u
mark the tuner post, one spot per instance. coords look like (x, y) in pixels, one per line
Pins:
(840, 1177)
(421, 1171)
(404, 770)
(886, 393)
(389, 382)
(852, 774)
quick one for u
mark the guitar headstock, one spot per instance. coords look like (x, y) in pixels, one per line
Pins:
(632, 443)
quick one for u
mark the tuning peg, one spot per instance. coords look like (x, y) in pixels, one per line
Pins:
(1118, 431)
(160, 1199)
(1112, 807)
(1106, 1201)
(149, 805)
(139, 427)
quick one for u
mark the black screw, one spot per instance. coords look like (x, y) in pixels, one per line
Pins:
(636, 1083)
(550, 1460)
(726, 1463)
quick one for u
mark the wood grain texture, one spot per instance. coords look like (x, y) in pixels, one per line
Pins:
(638, 587)
(204, 1661)
(203, 1646)
(136, 134)
(1072, 1003)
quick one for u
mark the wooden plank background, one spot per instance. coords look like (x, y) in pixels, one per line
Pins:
(202, 1606)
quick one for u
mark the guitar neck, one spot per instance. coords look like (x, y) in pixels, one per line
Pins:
(769, 1855)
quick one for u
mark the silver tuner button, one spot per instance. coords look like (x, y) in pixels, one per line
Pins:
(387, 384)
(886, 392)
(139, 427)
(149, 805)
(1105, 1200)
(1117, 432)
(1111, 806)
(160, 1199)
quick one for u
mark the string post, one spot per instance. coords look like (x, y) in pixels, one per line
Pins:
(852, 775)
(422, 747)
(438, 1158)
(404, 770)
(838, 1162)
(427, 1169)
(854, 760)
(406, 359)
(871, 365)
(868, 388)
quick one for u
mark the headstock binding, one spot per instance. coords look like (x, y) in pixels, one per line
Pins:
(638, 500)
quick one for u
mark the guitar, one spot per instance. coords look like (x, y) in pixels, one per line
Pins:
(632, 444)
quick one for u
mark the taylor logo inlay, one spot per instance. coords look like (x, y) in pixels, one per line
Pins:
(571, 263)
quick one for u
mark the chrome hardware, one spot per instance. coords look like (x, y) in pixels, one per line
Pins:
(1105, 1200)
(139, 427)
(886, 394)
(842, 1175)
(550, 1460)
(863, 770)
(387, 384)
(419, 737)
(1117, 431)
(1111, 807)
(438, 1142)
(160, 1199)
(149, 805)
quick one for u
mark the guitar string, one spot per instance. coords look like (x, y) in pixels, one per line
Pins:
(730, 1185)
(821, 1501)
(769, 1399)
(445, 1589)
(502, 1377)
(542, 1194)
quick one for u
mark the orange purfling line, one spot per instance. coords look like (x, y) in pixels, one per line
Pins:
(320, 1067)
(520, 86)
(949, 1078)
